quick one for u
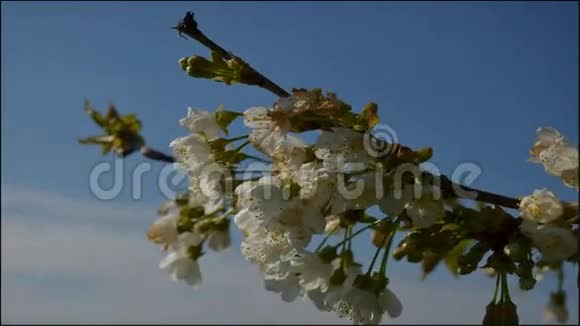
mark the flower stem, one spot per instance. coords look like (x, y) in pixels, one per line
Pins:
(349, 242)
(231, 140)
(386, 254)
(496, 288)
(560, 278)
(374, 260)
(505, 289)
(244, 144)
(344, 240)
(366, 227)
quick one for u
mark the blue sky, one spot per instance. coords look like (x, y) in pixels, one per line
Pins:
(471, 79)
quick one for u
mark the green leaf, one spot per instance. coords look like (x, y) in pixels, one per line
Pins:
(112, 113)
(95, 115)
(131, 123)
(106, 148)
(430, 262)
(452, 257)
(225, 117)
(470, 260)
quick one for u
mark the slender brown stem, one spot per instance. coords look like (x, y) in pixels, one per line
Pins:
(480, 195)
(188, 26)
(156, 155)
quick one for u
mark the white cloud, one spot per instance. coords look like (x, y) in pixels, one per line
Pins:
(59, 271)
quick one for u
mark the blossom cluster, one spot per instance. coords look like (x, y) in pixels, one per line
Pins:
(547, 222)
(325, 190)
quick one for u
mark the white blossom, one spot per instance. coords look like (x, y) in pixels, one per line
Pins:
(192, 152)
(261, 205)
(288, 287)
(542, 206)
(395, 199)
(426, 210)
(333, 225)
(554, 242)
(288, 157)
(219, 240)
(275, 207)
(358, 193)
(315, 181)
(342, 149)
(558, 157)
(179, 263)
(269, 127)
(206, 192)
(267, 246)
(364, 307)
(164, 229)
(330, 299)
(313, 272)
(199, 121)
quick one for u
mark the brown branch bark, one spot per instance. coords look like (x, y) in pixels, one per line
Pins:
(189, 26)
(156, 155)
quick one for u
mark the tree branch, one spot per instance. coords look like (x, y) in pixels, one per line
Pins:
(156, 155)
(481, 195)
(188, 26)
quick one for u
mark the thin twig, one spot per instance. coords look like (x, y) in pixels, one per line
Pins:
(481, 195)
(188, 26)
(156, 155)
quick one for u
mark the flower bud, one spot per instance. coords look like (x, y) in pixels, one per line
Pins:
(183, 63)
(414, 257)
(508, 314)
(195, 60)
(490, 311)
(400, 252)
(526, 283)
(430, 261)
